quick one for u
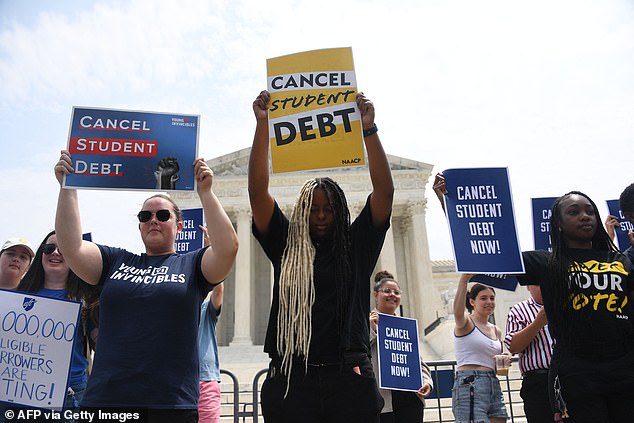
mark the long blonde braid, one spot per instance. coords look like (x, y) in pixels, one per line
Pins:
(297, 289)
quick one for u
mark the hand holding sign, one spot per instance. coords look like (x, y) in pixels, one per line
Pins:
(479, 207)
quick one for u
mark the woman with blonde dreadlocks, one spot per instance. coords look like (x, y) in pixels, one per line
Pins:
(318, 330)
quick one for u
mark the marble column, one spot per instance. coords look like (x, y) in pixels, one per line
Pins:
(423, 295)
(387, 260)
(242, 321)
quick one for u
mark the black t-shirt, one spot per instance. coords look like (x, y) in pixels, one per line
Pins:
(326, 344)
(596, 322)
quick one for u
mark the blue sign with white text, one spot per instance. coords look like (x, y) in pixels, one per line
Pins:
(132, 150)
(505, 282)
(479, 208)
(625, 225)
(191, 237)
(399, 356)
(541, 222)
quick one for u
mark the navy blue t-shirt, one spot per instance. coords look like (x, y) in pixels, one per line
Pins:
(147, 354)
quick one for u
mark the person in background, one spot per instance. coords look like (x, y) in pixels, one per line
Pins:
(588, 289)
(318, 336)
(147, 356)
(527, 334)
(15, 258)
(477, 395)
(626, 203)
(400, 406)
(209, 366)
(50, 276)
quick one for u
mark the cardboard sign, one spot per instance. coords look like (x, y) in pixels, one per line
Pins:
(314, 121)
(542, 209)
(36, 344)
(399, 356)
(624, 227)
(191, 237)
(482, 221)
(132, 150)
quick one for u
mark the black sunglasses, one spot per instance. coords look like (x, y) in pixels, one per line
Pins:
(49, 248)
(161, 215)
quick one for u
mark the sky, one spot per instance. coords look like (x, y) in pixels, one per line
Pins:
(545, 88)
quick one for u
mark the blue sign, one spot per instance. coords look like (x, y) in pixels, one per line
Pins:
(542, 209)
(191, 237)
(506, 282)
(625, 225)
(122, 149)
(399, 356)
(479, 207)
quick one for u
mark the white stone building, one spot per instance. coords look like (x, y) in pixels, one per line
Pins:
(428, 286)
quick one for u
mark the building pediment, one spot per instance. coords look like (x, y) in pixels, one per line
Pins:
(236, 164)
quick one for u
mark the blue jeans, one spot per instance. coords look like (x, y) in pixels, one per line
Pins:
(487, 401)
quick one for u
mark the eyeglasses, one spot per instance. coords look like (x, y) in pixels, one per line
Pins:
(161, 215)
(49, 248)
(389, 291)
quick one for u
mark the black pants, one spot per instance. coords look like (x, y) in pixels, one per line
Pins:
(534, 393)
(598, 391)
(407, 408)
(327, 394)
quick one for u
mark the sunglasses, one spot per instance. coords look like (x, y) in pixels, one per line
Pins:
(49, 248)
(161, 215)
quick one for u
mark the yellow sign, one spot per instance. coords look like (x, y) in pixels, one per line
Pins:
(314, 121)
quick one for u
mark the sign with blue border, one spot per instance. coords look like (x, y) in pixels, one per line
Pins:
(191, 237)
(542, 209)
(398, 353)
(479, 208)
(36, 344)
(614, 207)
(132, 150)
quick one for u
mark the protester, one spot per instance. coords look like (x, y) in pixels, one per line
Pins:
(15, 259)
(209, 365)
(587, 287)
(626, 202)
(318, 330)
(527, 334)
(400, 406)
(147, 354)
(209, 373)
(477, 395)
(50, 276)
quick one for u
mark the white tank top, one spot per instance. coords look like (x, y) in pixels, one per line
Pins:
(476, 348)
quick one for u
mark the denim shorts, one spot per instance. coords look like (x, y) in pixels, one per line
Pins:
(488, 401)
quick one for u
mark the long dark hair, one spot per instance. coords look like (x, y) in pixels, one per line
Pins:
(566, 283)
(472, 294)
(341, 245)
(76, 288)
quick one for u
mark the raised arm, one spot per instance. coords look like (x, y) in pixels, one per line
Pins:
(380, 174)
(459, 304)
(520, 339)
(83, 257)
(440, 189)
(262, 201)
(217, 295)
(221, 253)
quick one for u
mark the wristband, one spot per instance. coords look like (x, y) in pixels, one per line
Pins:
(370, 131)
